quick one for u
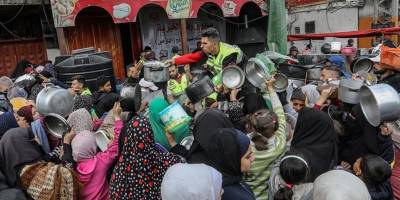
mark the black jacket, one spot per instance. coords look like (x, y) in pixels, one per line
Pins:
(239, 191)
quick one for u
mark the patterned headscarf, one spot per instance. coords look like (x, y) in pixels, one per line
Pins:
(80, 120)
(83, 101)
(50, 181)
(140, 167)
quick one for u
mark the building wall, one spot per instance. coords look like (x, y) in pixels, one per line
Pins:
(14, 51)
(345, 19)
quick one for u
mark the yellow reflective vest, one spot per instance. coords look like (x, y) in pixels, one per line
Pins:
(215, 62)
(177, 88)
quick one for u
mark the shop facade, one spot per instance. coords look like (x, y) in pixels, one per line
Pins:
(125, 27)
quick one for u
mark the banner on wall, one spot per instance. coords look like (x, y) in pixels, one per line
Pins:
(177, 9)
(162, 34)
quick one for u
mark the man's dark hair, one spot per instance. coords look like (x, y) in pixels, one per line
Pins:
(102, 80)
(80, 79)
(211, 33)
(147, 48)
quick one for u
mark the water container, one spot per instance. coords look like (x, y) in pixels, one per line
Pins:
(85, 62)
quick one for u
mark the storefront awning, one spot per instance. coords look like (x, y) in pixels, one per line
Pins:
(123, 11)
(350, 34)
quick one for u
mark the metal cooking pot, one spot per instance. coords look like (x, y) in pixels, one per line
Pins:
(380, 103)
(156, 72)
(256, 72)
(281, 82)
(131, 98)
(361, 64)
(54, 99)
(233, 76)
(25, 80)
(56, 125)
(199, 89)
(349, 90)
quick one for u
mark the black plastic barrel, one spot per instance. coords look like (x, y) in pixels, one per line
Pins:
(85, 62)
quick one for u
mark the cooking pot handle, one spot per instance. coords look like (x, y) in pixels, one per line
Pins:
(48, 85)
(353, 90)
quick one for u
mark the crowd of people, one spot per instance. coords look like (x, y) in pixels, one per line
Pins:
(248, 143)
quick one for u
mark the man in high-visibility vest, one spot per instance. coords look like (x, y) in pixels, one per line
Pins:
(217, 53)
(177, 84)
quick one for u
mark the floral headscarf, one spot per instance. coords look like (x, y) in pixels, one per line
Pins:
(141, 166)
(80, 120)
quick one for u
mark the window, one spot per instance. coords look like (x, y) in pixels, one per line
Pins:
(297, 30)
(310, 27)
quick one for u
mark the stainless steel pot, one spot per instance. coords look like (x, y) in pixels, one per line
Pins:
(380, 103)
(314, 74)
(131, 98)
(187, 142)
(56, 125)
(233, 77)
(156, 72)
(200, 89)
(256, 72)
(56, 100)
(349, 90)
(25, 80)
(281, 82)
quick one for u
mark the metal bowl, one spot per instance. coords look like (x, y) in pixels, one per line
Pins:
(56, 125)
(187, 142)
(361, 64)
(233, 77)
(380, 103)
(281, 82)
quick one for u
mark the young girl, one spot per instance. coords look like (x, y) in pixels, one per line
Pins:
(375, 172)
(92, 167)
(294, 169)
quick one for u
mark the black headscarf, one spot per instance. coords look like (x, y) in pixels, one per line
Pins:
(103, 102)
(205, 128)
(362, 138)
(227, 152)
(253, 102)
(315, 132)
(20, 67)
(17, 148)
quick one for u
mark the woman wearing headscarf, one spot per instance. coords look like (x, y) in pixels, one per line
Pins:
(92, 166)
(22, 67)
(141, 166)
(205, 128)
(178, 183)
(315, 134)
(17, 148)
(22, 163)
(361, 138)
(7, 122)
(155, 107)
(80, 120)
(232, 155)
(83, 101)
